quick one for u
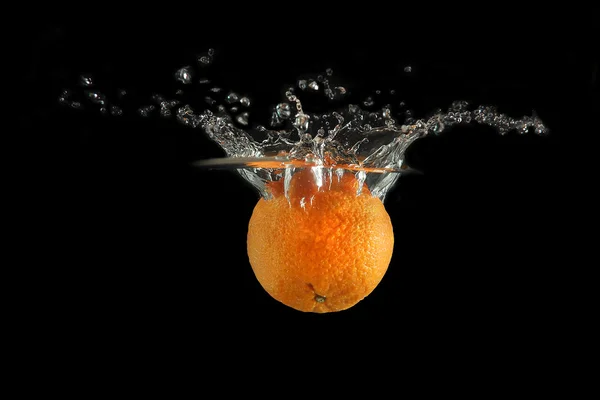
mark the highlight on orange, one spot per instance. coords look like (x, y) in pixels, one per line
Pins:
(321, 243)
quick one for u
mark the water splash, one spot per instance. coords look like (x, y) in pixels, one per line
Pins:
(350, 138)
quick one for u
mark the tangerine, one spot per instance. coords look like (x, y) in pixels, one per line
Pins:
(322, 248)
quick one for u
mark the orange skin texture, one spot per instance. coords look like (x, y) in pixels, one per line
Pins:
(325, 256)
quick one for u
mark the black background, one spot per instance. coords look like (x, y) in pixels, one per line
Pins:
(134, 237)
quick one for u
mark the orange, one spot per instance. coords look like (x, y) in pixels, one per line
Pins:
(320, 249)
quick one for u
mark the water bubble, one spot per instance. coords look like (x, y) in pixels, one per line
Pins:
(204, 81)
(408, 69)
(329, 71)
(76, 105)
(302, 84)
(368, 102)
(179, 92)
(216, 89)
(184, 75)
(211, 52)
(234, 109)
(210, 100)
(122, 93)
(313, 85)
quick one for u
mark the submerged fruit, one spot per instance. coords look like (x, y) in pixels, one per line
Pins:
(321, 248)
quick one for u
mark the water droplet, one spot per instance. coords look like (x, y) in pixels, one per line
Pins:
(283, 110)
(64, 97)
(186, 116)
(301, 122)
(116, 111)
(86, 80)
(290, 95)
(243, 118)
(540, 129)
(307, 138)
(184, 75)
(145, 111)
(459, 106)
(232, 98)
(205, 60)
(95, 97)
(436, 127)
(340, 90)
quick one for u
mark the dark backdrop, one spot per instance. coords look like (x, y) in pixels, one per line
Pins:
(136, 237)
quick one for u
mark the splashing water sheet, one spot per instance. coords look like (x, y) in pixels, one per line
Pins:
(414, 149)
